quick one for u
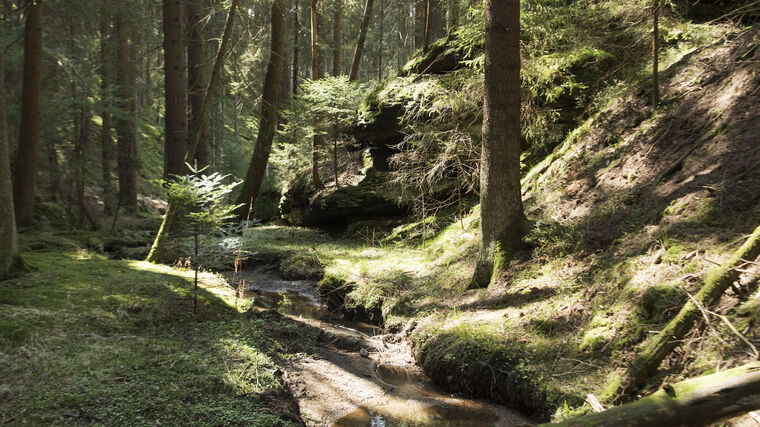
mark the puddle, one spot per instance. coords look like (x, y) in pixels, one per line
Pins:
(410, 413)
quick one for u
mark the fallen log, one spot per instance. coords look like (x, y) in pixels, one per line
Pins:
(697, 401)
(716, 282)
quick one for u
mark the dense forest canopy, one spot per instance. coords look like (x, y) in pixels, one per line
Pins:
(352, 212)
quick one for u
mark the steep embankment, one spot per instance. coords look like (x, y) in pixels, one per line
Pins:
(627, 214)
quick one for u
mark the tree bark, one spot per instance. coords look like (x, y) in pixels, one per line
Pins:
(25, 182)
(156, 250)
(426, 34)
(354, 75)
(656, 53)
(316, 140)
(175, 83)
(126, 125)
(715, 284)
(10, 262)
(698, 401)
(106, 138)
(338, 38)
(501, 209)
(296, 43)
(268, 123)
(196, 77)
(381, 19)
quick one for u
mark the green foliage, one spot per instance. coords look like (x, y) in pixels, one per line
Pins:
(203, 197)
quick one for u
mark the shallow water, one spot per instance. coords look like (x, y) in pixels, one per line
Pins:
(412, 402)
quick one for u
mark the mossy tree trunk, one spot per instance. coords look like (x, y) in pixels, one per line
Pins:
(269, 105)
(698, 401)
(500, 197)
(715, 284)
(25, 182)
(10, 262)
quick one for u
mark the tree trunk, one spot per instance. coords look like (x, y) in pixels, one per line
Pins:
(10, 262)
(196, 77)
(156, 250)
(426, 34)
(126, 126)
(296, 42)
(268, 123)
(338, 38)
(106, 139)
(314, 41)
(501, 208)
(715, 284)
(25, 183)
(175, 74)
(317, 140)
(656, 53)
(360, 43)
(697, 401)
(381, 19)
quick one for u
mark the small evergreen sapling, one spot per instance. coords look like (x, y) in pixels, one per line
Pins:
(202, 197)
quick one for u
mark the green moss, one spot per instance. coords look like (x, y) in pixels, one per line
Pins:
(99, 341)
(660, 303)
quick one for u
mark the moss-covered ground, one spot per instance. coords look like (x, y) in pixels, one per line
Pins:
(86, 340)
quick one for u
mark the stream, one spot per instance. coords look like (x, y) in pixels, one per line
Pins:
(374, 383)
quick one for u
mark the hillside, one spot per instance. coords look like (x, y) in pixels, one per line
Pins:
(627, 214)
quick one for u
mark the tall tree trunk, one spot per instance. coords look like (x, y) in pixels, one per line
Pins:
(196, 76)
(381, 19)
(296, 44)
(106, 139)
(126, 126)
(426, 34)
(175, 75)
(25, 183)
(501, 210)
(10, 262)
(268, 123)
(656, 53)
(360, 43)
(317, 140)
(338, 38)
(156, 250)
(315, 74)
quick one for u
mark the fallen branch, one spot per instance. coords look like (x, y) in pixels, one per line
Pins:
(698, 401)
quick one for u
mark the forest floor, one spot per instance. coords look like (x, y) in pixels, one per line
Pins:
(86, 340)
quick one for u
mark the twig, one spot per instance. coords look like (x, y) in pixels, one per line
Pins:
(728, 323)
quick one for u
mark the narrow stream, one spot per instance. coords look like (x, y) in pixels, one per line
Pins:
(406, 397)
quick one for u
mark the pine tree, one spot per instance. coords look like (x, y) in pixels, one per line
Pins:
(501, 210)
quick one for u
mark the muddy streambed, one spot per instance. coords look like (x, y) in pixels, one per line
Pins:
(360, 376)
